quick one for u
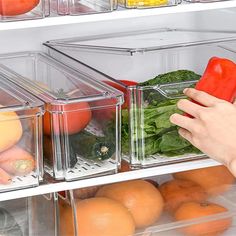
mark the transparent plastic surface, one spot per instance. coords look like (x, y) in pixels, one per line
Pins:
(28, 216)
(203, 1)
(146, 3)
(21, 137)
(67, 7)
(229, 46)
(211, 206)
(15, 10)
(148, 138)
(81, 125)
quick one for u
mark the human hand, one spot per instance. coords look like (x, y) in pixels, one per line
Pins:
(212, 128)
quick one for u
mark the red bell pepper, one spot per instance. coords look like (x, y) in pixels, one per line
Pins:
(219, 79)
(122, 89)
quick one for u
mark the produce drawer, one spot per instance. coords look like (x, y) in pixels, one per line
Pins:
(78, 7)
(180, 204)
(15, 10)
(21, 137)
(33, 216)
(175, 58)
(81, 125)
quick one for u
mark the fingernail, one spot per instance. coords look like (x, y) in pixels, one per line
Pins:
(185, 90)
(172, 117)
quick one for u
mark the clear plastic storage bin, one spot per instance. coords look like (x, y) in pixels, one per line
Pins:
(32, 216)
(196, 211)
(148, 138)
(81, 125)
(67, 7)
(147, 3)
(14, 10)
(203, 1)
(21, 137)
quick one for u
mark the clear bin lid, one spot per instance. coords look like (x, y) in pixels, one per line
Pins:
(14, 98)
(55, 83)
(145, 41)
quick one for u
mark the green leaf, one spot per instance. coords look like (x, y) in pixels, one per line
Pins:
(171, 141)
(172, 77)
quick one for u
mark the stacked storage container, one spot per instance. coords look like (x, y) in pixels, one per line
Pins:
(21, 137)
(15, 10)
(29, 216)
(137, 205)
(67, 7)
(81, 125)
(173, 59)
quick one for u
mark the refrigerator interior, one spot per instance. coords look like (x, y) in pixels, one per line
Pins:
(25, 39)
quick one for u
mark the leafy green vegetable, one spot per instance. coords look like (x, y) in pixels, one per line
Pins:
(171, 141)
(151, 145)
(125, 131)
(154, 129)
(172, 77)
(152, 97)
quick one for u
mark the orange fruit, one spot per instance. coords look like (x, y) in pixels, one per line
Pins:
(83, 193)
(66, 219)
(153, 182)
(98, 217)
(142, 199)
(215, 180)
(10, 130)
(176, 192)
(192, 210)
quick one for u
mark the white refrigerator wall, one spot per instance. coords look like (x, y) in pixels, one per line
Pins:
(32, 38)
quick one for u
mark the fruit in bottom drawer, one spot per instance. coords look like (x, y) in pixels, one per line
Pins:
(10, 130)
(176, 192)
(215, 180)
(193, 210)
(17, 7)
(98, 217)
(66, 218)
(140, 197)
(83, 193)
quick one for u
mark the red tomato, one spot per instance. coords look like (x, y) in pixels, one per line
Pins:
(106, 113)
(76, 118)
(17, 7)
